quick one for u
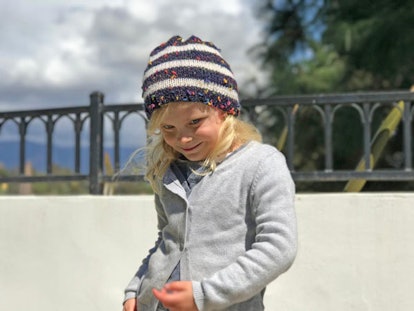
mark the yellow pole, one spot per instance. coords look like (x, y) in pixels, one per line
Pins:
(108, 186)
(281, 142)
(383, 134)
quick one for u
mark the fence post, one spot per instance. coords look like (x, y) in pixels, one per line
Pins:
(96, 143)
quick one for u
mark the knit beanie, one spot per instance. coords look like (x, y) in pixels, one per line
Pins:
(189, 71)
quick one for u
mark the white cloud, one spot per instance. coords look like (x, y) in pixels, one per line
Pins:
(105, 44)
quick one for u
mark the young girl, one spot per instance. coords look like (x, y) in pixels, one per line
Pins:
(224, 200)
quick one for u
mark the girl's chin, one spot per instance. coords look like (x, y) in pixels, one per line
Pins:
(193, 158)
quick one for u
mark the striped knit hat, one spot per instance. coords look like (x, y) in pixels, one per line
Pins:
(192, 71)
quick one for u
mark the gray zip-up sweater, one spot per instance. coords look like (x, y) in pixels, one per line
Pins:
(233, 234)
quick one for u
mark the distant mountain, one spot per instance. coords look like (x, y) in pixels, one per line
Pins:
(62, 156)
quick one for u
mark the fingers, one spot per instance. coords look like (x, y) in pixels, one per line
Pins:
(159, 294)
(176, 296)
(178, 286)
(167, 298)
(130, 305)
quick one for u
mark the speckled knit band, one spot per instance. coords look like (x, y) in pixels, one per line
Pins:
(192, 71)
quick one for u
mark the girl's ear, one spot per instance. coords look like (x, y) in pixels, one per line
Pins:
(223, 115)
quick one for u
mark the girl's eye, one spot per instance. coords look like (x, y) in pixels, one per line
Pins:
(167, 127)
(195, 121)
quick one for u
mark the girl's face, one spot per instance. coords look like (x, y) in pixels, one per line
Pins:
(191, 129)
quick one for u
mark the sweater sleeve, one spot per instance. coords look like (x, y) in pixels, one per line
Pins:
(131, 291)
(275, 246)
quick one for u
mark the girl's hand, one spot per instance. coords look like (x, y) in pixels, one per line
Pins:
(130, 305)
(177, 296)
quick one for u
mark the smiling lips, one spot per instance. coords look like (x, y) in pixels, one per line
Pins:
(192, 148)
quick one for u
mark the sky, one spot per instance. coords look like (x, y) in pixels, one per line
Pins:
(54, 53)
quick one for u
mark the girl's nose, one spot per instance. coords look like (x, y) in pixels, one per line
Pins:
(184, 137)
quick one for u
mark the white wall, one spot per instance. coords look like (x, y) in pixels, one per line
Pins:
(356, 252)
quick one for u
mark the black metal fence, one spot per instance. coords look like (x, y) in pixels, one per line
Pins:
(327, 106)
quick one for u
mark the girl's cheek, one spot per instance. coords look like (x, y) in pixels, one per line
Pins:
(167, 138)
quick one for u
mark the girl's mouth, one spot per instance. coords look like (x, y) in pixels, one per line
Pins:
(191, 148)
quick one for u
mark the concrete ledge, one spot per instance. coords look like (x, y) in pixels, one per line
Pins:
(77, 253)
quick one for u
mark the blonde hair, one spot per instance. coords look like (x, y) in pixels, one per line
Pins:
(233, 133)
